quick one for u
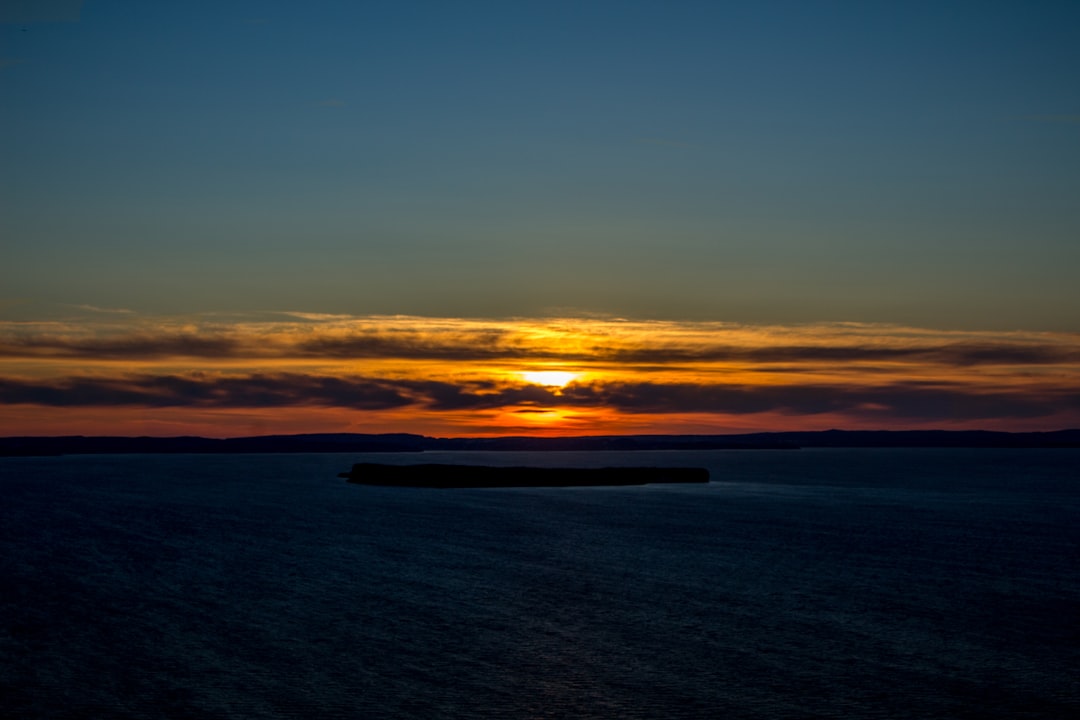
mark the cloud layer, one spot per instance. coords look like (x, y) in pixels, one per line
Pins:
(338, 337)
(899, 400)
(450, 368)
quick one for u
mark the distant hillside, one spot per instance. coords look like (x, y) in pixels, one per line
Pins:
(404, 442)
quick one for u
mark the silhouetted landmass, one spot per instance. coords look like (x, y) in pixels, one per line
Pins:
(406, 442)
(485, 476)
(324, 443)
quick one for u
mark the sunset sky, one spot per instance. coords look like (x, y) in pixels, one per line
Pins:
(476, 218)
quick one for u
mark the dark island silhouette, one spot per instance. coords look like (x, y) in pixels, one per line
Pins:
(435, 475)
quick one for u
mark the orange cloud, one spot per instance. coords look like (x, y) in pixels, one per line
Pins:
(466, 375)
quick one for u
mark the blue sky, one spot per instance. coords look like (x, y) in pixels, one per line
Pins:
(758, 162)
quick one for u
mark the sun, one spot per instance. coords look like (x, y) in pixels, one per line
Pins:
(551, 378)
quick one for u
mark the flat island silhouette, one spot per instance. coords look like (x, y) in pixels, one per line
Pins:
(435, 475)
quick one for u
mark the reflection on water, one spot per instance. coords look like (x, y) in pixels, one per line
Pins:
(891, 583)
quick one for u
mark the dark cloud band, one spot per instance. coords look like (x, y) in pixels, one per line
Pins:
(496, 345)
(898, 400)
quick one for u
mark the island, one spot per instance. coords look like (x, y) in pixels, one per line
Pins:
(433, 475)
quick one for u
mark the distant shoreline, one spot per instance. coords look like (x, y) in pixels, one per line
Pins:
(404, 442)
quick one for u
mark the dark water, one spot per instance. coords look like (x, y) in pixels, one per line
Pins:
(816, 583)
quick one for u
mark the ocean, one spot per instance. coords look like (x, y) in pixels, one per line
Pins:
(824, 583)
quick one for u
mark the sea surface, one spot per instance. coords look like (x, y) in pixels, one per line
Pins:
(901, 583)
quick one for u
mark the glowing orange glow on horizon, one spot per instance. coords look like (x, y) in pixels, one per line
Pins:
(292, 373)
(551, 378)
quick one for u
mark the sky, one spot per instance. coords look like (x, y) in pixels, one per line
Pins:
(253, 217)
